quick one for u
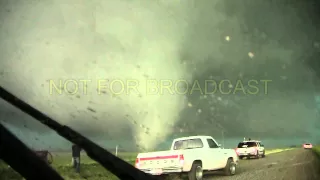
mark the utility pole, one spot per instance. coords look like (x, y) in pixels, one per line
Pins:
(117, 150)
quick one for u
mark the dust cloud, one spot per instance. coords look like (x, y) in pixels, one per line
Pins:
(45, 42)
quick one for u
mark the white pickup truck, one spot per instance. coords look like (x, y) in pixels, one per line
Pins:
(191, 155)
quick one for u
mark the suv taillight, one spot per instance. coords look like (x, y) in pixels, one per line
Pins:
(137, 163)
(181, 159)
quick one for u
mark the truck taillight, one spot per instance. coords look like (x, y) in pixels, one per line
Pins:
(236, 150)
(181, 159)
(137, 163)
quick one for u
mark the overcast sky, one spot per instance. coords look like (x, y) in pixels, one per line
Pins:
(249, 40)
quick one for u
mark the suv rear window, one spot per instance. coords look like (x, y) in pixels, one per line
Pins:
(247, 144)
(188, 144)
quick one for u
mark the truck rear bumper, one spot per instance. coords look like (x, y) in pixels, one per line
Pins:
(161, 171)
(247, 154)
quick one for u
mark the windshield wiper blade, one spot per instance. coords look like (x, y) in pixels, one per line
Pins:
(115, 165)
(22, 159)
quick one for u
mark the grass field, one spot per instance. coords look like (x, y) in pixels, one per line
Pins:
(316, 149)
(62, 163)
(89, 168)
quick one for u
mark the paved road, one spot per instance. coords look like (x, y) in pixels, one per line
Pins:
(296, 164)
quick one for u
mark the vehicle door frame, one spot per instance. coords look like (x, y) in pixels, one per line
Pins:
(260, 148)
(214, 152)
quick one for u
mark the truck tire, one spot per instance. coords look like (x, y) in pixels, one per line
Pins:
(258, 155)
(230, 168)
(196, 172)
(264, 154)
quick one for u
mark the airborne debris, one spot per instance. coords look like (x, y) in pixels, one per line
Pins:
(250, 54)
(227, 38)
(102, 91)
(283, 77)
(91, 102)
(189, 104)
(92, 110)
(284, 66)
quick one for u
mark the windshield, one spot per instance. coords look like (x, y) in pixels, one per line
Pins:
(188, 144)
(131, 76)
(247, 144)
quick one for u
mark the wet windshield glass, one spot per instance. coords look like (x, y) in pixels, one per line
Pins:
(132, 76)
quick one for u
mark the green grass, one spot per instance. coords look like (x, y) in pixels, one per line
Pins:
(62, 164)
(89, 168)
(272, 151)
(316, 149)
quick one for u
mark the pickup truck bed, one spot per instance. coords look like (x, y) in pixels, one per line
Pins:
(162, 162)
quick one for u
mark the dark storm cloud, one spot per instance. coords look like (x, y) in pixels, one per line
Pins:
(13, 116)
(282, 37)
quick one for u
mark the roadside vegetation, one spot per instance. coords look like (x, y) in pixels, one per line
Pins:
(316, 149)
(89, 168)
(272, 151)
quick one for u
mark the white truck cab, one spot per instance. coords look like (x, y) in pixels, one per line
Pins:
(251, 148)
(191, 155)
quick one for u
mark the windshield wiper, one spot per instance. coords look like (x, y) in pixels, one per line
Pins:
(20, 157)
(115, 165)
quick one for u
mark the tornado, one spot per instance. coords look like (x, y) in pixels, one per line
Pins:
(109, 68)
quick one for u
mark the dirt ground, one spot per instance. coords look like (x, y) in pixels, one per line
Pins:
(298, 164)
